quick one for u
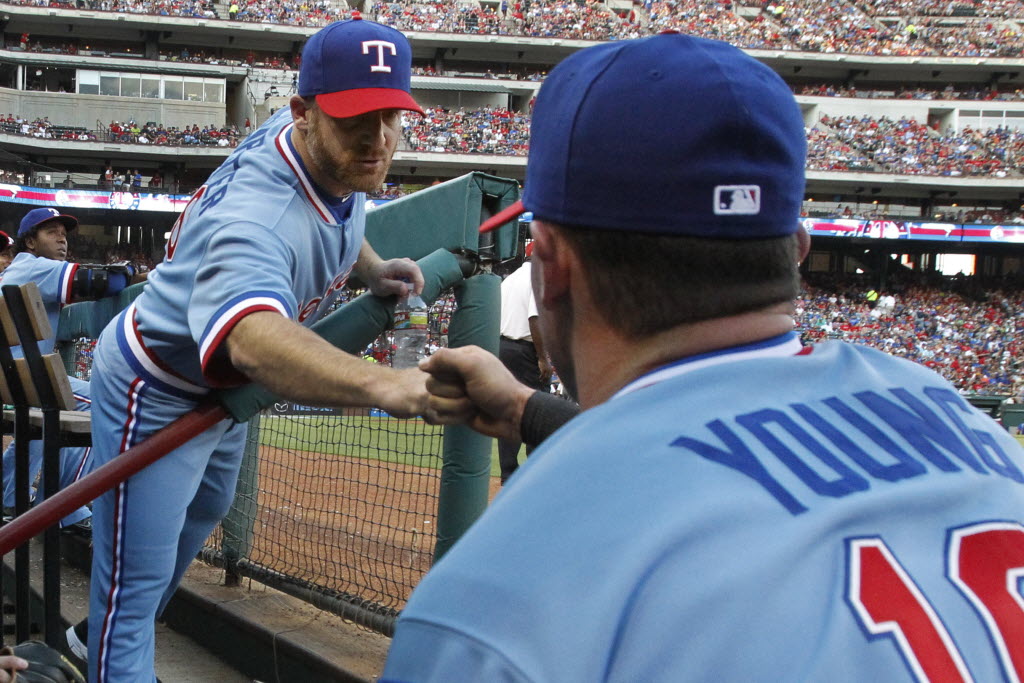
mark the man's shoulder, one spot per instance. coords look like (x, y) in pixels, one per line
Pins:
(28, 267)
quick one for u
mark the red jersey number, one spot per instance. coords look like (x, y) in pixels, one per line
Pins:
(172, 239)
(985, 562)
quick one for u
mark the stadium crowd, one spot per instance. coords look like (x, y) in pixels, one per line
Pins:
(1006, 9)
(951, 28)
(903, 92)
(158, 134)
(313, 14)
(907, 147)
(972, 337)
(126, 132)
(849, 143)
(490, 130)
(837, 143)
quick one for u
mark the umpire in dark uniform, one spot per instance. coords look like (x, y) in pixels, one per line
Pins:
(521, 350)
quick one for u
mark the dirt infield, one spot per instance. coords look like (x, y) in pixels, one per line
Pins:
(363, 527)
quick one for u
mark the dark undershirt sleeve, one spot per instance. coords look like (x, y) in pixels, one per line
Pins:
(543, 415)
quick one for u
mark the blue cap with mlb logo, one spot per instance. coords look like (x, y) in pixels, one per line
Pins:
(356, 66)
(42, 215)
(669, 134)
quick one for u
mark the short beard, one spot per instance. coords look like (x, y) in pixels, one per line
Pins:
(329, 166)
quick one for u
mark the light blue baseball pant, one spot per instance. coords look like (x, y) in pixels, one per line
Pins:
(147, 530)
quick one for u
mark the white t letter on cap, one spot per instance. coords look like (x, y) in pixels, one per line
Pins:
(380, 45)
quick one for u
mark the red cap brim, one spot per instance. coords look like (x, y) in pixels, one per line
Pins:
(348, 103)
(502, 217)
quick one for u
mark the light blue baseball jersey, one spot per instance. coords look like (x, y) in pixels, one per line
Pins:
(54, 280)
(260, 235)
(241, 245)
(764, 513)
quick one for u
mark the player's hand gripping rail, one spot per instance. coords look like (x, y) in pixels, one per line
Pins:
(351, 328)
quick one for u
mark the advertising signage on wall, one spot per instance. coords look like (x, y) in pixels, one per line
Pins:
(912, 230)
(102, 199)
(93, 199)
(817, 227)
(993, 233)
(286, 408)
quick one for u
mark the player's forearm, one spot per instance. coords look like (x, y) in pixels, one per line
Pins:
(367, 262)
(297, 364)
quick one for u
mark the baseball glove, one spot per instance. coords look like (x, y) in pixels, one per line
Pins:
(45, 665)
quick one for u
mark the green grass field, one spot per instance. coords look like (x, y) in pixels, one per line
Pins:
(407, 442)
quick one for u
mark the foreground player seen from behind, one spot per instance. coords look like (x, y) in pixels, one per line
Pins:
(730, 505)
(262, 249)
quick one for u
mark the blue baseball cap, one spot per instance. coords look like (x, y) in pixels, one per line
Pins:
(356, 66)
(42, 215)
(669, 134)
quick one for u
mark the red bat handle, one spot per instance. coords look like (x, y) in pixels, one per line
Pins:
(104, 478)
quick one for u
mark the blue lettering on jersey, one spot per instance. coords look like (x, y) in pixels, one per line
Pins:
(252, 140)
(221, 179)
(847, 481)
(954, 408)
(218, 187)
(905, 465)
(822, 467)
(922, 428)
(739, 457)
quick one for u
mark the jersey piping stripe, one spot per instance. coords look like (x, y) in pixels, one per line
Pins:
(283, 142)
(129, 432)
(787, 344)
(135, 352)
(157, 361)
(81, 463)
(67, 281)
(228, 317)
(117, 565)
(113, 596)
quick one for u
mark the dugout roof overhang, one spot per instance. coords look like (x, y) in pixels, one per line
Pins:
(458, 85)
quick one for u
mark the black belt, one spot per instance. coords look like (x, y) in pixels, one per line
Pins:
(518, 341)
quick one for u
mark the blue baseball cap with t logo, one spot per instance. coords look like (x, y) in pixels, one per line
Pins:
(352, 67)
(42, 215)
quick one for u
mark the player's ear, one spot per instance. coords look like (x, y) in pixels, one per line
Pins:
(803, 242)
(300, 112)
(551, 263)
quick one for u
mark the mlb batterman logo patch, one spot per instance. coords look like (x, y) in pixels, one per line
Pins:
(737, 200)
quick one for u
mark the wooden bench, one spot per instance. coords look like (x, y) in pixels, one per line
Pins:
(38, 387)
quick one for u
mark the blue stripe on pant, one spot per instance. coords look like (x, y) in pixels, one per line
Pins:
(147, 531)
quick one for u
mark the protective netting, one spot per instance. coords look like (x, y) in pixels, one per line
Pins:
(347, 503)
(343, 502)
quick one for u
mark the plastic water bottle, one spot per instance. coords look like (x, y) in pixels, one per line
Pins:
(410, 332)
